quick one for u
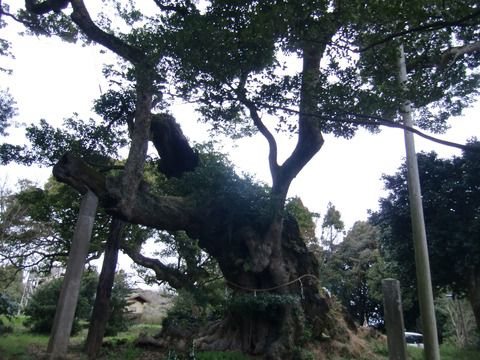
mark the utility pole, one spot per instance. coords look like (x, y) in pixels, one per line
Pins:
(422, 263)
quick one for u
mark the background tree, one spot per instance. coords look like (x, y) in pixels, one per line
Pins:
(227, 58)
(451, 204)
(354, 272)
(7, 111)
(459, 320)
(7, 103)
(332, 226)
(37, 227)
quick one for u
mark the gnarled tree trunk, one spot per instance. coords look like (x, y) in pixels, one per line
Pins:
(251, 265)
(275, 303)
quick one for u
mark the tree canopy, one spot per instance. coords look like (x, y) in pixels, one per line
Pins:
(231, 60)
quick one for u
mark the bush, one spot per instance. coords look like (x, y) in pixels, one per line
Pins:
(41, 307)
(43, 304)
(8, 308)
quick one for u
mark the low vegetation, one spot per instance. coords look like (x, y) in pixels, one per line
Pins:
(21, 344)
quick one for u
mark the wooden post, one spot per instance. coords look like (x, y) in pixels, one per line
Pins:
(392, 305)
(422, 263)
(101, 307)
(67, 302)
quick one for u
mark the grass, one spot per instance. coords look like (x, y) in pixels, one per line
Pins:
(23, 345)
(447, 352)
(16, 345)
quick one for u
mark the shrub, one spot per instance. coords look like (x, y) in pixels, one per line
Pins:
(42, 305)
(8, 308)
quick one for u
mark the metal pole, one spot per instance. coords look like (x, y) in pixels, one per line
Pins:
(424, 283)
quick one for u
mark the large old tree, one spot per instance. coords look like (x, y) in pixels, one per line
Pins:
(229, 58)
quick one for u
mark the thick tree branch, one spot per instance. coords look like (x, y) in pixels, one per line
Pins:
(46, 6)
(310, 138)
(81, 17)
(424, 28)
(376, 121)
(75, 172)
(454, 53)
(176, 279)
(176, 155)
(257, 121)
(134, 165)
(160, 212)
(371, 120)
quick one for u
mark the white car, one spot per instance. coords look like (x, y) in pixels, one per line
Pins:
(414, 339)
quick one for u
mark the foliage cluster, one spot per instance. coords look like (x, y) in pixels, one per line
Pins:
(263, 303)
(11, 283)
(7, 109)
(215, 181)
(8, 308)
(191, 310)
(40, 310)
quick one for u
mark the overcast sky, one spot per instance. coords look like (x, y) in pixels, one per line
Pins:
(51, 80)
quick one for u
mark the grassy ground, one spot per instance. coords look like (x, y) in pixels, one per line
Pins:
(22, 345)
(448, 352)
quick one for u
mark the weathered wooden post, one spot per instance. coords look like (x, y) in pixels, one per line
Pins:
(392, 305)
(67, 302)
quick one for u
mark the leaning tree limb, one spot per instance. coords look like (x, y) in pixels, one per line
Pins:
(176, 155)
(81, 17)
(463, 21)
(169, 213)
(175, 278)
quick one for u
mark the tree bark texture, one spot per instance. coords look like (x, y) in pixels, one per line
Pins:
(101, 307)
